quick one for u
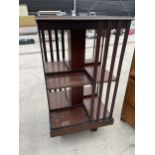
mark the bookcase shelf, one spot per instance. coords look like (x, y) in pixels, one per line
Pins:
(74, 79)
(67, 79)
(90, 70)
(68, 117)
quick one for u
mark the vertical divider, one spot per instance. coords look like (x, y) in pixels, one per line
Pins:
(108, 33)
(101, 55)
(119, 66)
(63, 44)
(94, 44)
(57, 44)
(102, 45)
(44, 45)
(40, 40)
(112, 67)
(51, 46)
(99, 28)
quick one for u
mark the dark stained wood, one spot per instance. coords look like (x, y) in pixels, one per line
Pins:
(119, 66)
(67, 117)
(95, 66)
(72, 105)
(76, 24)
(63, 44)
(77, 95)
(94, 44)
(61, 99)
(77, 49)
(112, 67)
(102, 45)
(74, 79)
(41, 45)
(76, 55)
(83, 18)
(51, 46)
(57, 44)
(63, 66)
(80, 127)
(87, 104)
(104, 66)
(94, 129)
(44, 45)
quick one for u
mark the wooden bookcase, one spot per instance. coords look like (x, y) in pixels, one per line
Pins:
(74, 83)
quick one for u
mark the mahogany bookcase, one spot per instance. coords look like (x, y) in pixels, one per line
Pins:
(74, 84)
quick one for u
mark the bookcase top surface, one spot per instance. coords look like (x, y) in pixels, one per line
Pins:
(82, 18)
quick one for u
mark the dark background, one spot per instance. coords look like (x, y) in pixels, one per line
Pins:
(103, 7)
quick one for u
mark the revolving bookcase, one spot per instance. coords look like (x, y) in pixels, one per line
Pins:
(74, 82)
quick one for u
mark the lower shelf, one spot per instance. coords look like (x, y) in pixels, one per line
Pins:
(72, 117)
(61, 99)
(68, 117)
(79, 127)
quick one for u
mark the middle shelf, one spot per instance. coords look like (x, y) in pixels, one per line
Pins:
(70, 78)
(67, 79)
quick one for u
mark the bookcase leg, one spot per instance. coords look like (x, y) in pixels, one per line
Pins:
(94, 129)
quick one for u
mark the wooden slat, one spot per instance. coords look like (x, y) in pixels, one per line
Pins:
(57, 44)
(95, 67)
(51, 46)
(40, 40)
(94, 44)
(44, 45)
(87, 105)
(108, 33)
(102, 45)
(63, 44)
(112, 67)
(119, 67)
